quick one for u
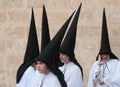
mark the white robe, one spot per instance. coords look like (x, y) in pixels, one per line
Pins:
(72, 74)
(26, 78)
(50, 80)
(37, 79)
(106, 73)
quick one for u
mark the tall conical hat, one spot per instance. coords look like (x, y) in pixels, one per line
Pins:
(47, 54)
(45, 30)
(105, 45)
(68, 44)
(32, 50)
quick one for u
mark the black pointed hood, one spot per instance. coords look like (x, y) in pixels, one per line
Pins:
(68, 44)
(47, 54)
(32, 50)
(54, 43)
(105, 45)
(45, 30)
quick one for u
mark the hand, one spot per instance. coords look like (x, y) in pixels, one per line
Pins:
(99, 59)
(101, 82)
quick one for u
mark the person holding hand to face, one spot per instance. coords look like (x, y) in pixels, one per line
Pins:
(106, 64)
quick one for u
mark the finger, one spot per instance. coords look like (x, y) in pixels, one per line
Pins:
(99, 59)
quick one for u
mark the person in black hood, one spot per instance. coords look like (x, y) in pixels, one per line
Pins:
(71, 69)
(53, 76)
(103, 69)
(26, 70)
(45, 39)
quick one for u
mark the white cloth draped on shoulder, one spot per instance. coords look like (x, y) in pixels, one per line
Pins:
(72, 74)
(26, 78)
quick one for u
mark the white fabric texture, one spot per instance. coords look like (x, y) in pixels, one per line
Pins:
(50, 80)
(72, 74)
(106, 71)
(27, 77)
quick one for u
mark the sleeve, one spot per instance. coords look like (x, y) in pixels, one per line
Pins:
(75, 80)
(90, 80)
(116, 76)
(94, 75)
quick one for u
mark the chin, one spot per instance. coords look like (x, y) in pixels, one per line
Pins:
(39, 70)
(62, 61)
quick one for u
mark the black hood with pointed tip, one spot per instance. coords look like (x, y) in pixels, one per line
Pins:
(32, 50)
(45, 30)
(68, 44)
(105, 45)
(47, 55)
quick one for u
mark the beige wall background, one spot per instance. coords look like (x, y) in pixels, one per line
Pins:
(15, 21)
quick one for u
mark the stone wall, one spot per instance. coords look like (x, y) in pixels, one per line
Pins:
(15, 21)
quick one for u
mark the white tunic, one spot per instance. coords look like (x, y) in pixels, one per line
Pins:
(72, 74)
(37, 79)
(50, 80)
(105, 71)
(26, 78)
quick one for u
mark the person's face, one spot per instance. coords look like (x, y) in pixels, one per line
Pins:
(64, 58)
(105, 57)
(42, 67)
